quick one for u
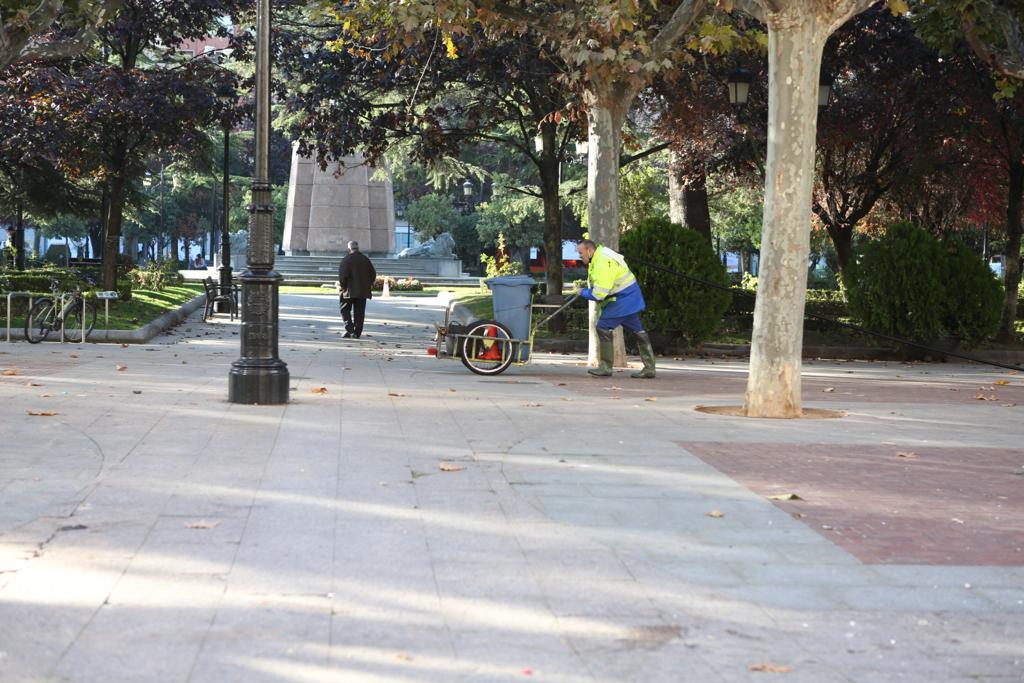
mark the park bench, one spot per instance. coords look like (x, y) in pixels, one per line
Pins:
(217, 293)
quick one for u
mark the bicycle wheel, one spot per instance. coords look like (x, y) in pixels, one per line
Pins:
(73, 321)
(39, 320)
(487, 348)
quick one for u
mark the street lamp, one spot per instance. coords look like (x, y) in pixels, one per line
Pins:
(225, 234)
(824, 88)
(739, 81)
(258, 376)
(467, 197)
(739, 85)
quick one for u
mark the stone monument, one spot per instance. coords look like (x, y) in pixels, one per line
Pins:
(328, 208)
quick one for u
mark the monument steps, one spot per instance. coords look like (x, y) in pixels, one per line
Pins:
(319, 269)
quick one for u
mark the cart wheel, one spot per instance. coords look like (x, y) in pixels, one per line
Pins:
(482, 355)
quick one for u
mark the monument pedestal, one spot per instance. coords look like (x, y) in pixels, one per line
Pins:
(327, 208)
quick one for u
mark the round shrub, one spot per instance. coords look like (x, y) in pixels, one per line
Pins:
(974, 297)
(894, 284)
(676, 305)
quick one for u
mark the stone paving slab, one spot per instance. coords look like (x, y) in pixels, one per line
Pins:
(167, 535)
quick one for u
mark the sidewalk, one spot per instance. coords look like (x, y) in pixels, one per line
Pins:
(591, 530)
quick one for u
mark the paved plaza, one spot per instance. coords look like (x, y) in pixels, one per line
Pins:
(405, 520)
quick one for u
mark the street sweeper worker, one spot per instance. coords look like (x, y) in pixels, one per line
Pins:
(619, 301)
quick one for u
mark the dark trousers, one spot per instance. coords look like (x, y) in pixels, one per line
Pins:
(353, 311)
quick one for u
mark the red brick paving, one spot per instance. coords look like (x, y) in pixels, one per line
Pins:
(946, 506)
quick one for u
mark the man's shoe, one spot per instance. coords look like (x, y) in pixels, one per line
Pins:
(647, 355)
(357, 336)
(606, 353)
(346, 335)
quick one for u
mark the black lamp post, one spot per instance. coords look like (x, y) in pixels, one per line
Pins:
(225, 234)
(259, 376)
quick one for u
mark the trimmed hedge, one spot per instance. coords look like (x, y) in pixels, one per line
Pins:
(676, 306)
(974, 297)
(37, 280)
(909, 285)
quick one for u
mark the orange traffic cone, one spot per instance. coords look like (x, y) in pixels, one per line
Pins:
(491, 350)
(387, 289)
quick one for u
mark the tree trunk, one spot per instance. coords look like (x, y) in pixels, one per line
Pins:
(112, 233)
(1011, 269)
(795, 42)
(550, 177)
(676, 184)
(697, 215)
(19, 239)
(605, 116)
(842, 240)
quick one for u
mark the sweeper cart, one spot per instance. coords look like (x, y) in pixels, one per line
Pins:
(489, 347)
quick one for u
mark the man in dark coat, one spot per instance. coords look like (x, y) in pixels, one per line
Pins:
(355, 277)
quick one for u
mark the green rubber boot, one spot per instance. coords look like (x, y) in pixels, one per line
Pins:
(647, 355)
(606, 350)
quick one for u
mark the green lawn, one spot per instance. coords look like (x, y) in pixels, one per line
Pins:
(144, 307)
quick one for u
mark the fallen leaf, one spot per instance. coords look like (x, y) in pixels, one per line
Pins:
(828, 390)
(9, 373)
(392, 393)
(73, 355)
(449, 467)
(1002, 382)
(717, 514)
(124, 346)
(417, 475)
(42, 413)
(452, 390)
(958, 521)
(906, 454)
(202, 524)
(651, 398)
(404, 657)
(767, 667)
(533, 405)
(319, 390)
(33, 384)
(785, 496)
(122, 368)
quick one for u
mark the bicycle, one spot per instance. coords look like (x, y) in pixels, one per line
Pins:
(47, 315)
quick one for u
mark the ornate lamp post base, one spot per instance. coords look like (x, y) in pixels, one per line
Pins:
(259, 376)
(258, 381)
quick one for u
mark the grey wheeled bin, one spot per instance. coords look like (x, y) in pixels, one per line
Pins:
(511, 297)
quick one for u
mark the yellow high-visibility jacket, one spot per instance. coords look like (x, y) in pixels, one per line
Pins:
(612, 284)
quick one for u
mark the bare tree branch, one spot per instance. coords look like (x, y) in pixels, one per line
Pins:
(1008, 61)
(682, 19)
(751, 7)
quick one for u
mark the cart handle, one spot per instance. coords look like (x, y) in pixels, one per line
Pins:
(561, 308)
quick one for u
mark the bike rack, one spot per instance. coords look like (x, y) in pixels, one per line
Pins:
(10, 297)
(30, 296)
